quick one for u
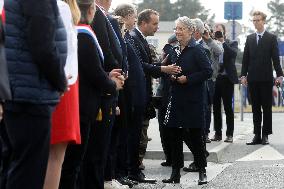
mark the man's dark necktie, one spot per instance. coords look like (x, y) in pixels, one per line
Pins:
(259, 38)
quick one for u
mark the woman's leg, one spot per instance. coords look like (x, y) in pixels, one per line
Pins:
(176, 140)
(55, 161)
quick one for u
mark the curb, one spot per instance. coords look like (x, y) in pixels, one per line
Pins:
(215, 154)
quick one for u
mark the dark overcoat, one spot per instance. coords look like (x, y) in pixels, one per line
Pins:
(186, 108)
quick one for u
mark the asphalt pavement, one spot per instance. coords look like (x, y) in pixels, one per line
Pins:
(216, 149)
(230, 166)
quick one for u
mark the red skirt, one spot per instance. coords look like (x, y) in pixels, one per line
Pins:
(65, 119)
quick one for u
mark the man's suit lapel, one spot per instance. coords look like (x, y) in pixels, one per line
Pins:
(254, 42)
(144, 42)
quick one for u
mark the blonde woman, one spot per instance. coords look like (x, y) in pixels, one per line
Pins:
(65, 119)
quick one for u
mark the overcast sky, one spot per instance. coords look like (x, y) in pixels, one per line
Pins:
(217, 7)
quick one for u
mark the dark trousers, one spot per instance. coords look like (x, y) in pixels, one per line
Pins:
(164, 134)
(208, 104)
(96, 155)
(74, 155)
(112, 153)
(5, 152)
(176, 142)
(207, 110)
(261, 97)
(28, 134)
(143, 139)
(83, 165)
(121, 159)
(194, 139)
(135, 127)
(120, 122)
(224, 91)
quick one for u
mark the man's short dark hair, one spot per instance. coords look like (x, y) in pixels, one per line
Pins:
(223, 27)
(145, 16)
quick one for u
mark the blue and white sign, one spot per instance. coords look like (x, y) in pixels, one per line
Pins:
(281, 48)
(233, 10)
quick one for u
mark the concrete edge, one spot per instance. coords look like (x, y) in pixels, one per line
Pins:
(215, 154)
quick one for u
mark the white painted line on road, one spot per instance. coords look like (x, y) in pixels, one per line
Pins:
(221, 146)
(190, 180)
(264, 153)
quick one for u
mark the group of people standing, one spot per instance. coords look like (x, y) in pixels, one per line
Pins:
(81, 89)
(81, 85)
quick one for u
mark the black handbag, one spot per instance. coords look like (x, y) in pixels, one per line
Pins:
(5, 92)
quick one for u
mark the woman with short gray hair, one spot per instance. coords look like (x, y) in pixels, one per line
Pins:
(186, 21)
(185, 112)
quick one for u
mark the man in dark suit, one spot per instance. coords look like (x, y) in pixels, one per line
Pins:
(148, 21)
(113, 44)
(109, 37)
(106, 36)
(224, 86)
(261, 50)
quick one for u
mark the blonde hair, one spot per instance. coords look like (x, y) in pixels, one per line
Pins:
(75, 11)
(124, 10)
(259, 13)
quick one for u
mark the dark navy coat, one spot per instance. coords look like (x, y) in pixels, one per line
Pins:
(35, 59)
(107, 40)
(136, 82)
(150, 69)
(185, 108)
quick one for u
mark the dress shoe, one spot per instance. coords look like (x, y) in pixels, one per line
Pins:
(114, 184)
(166, 164)
(132, 181)
(149, 139)
(264, 140)
(140, 177)
(191, 168)
(216, 138)
(229, 139)
(202, 177)
(256, 140)
(142, 166)
(125, 181)
(207, 139)
(175, 177)
(206, 153)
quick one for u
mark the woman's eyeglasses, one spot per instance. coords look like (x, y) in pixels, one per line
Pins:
(179, 29)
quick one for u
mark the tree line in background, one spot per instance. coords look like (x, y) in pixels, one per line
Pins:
(171, 11)
(193, 9)
(276, 21)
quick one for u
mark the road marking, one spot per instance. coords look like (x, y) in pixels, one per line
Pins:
(264, 153)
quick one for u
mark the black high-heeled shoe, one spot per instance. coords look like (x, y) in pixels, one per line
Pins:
(175, 177)
(202, 177)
